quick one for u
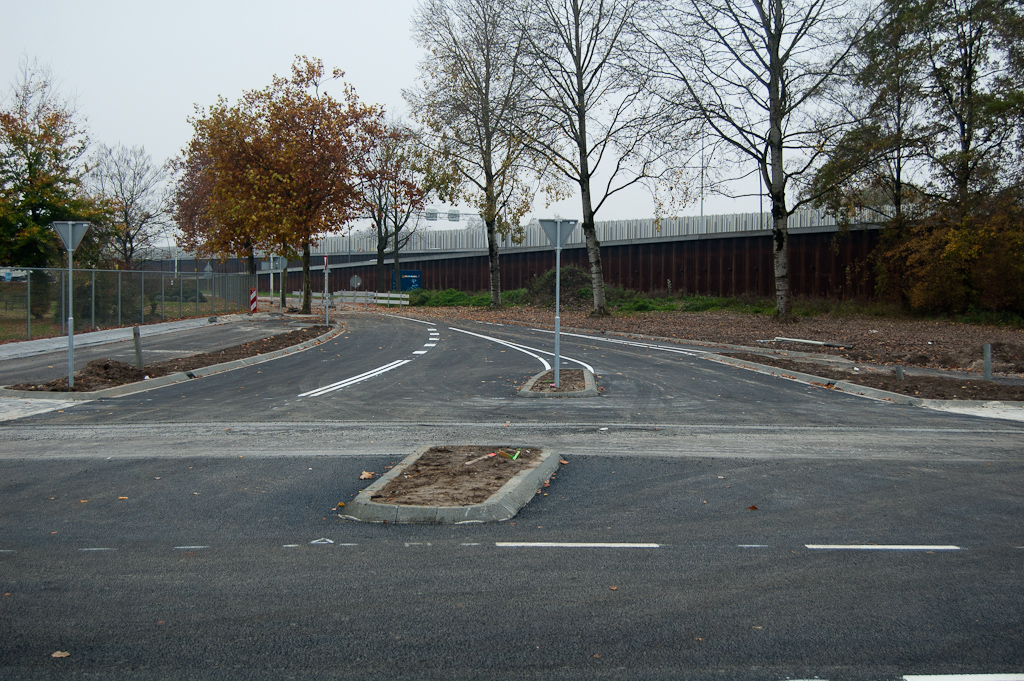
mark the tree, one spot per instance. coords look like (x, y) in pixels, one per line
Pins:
(474, 87)
(210, 188)
(42, 144)
(136, 196)
(398, 178)
(879, 163)
(974, 101)
(754, 75)
(591, 105)
(966, 248)
(279, 169)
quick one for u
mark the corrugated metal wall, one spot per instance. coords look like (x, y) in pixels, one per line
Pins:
(822, 264)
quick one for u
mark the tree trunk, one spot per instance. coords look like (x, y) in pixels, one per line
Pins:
(396, 284)
(777, 178)
(284, 285)
(381, 286)
(492, 262)
(780, 240)
(593, 253)
(307, 289)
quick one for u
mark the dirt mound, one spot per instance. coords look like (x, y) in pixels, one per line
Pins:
(108, 373)
(456, 475)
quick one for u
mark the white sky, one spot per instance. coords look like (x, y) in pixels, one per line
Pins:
(138, 68)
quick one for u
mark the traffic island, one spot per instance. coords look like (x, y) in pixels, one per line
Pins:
(455, 484)
(571, 383)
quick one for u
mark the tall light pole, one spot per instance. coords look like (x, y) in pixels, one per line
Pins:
(558, 232)
(71, 234)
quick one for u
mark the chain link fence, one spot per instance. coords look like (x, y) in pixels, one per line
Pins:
(33, 302)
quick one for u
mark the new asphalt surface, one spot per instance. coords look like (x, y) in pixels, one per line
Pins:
(712, 523)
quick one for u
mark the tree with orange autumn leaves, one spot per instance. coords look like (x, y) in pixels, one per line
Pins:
(276, 171)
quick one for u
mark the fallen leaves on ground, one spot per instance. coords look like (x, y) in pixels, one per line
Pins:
(60, 653)
(366, 475)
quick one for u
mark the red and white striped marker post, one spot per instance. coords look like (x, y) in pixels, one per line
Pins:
(252, 300)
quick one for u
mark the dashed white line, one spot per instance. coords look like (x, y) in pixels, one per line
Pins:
(752, 546)
(883, 547)
(100, 548)
(419, 352)
(573, 545)
(189, 548)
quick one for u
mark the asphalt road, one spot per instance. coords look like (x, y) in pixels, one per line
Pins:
(191, 531)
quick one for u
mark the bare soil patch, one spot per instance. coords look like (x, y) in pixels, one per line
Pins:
(108, 373)
(932, 387)
(456, 475)
(569, 381)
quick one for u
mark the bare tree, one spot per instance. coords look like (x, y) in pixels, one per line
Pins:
(593, 107)
(754, 75)
(398, 177)
(471, 99)
(137, 197)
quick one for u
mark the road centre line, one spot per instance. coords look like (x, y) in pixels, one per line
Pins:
(355, 379)
(690, 353)
(527, 349)
(573, 545)
(882, 547)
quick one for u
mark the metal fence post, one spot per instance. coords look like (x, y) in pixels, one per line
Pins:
(119, 297)
(28, 304)
(161, 295)
(142, 298)
(92, 320)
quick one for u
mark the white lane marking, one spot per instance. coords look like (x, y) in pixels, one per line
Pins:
(408, 319)
(322, 540)
(416, 543)
(752, 546)
(527, 349)
(7, 551)
(289, 546)
(963, 677)
(189, 548)
(547, 367)
(883, 547)
(355, 379)
(636, 344)
(430, 345)
(573, 545)
(98, 549)
(419, 352)
(468, 543)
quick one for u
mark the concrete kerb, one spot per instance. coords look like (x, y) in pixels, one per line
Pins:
(589, 387)
(502, 505)
(171, 379)
(854, 388)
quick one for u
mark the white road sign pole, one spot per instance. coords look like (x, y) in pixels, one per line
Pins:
(558, 232)
(558, 307)
(71, 234)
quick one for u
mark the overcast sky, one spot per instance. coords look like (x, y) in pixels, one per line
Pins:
(138, 68)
